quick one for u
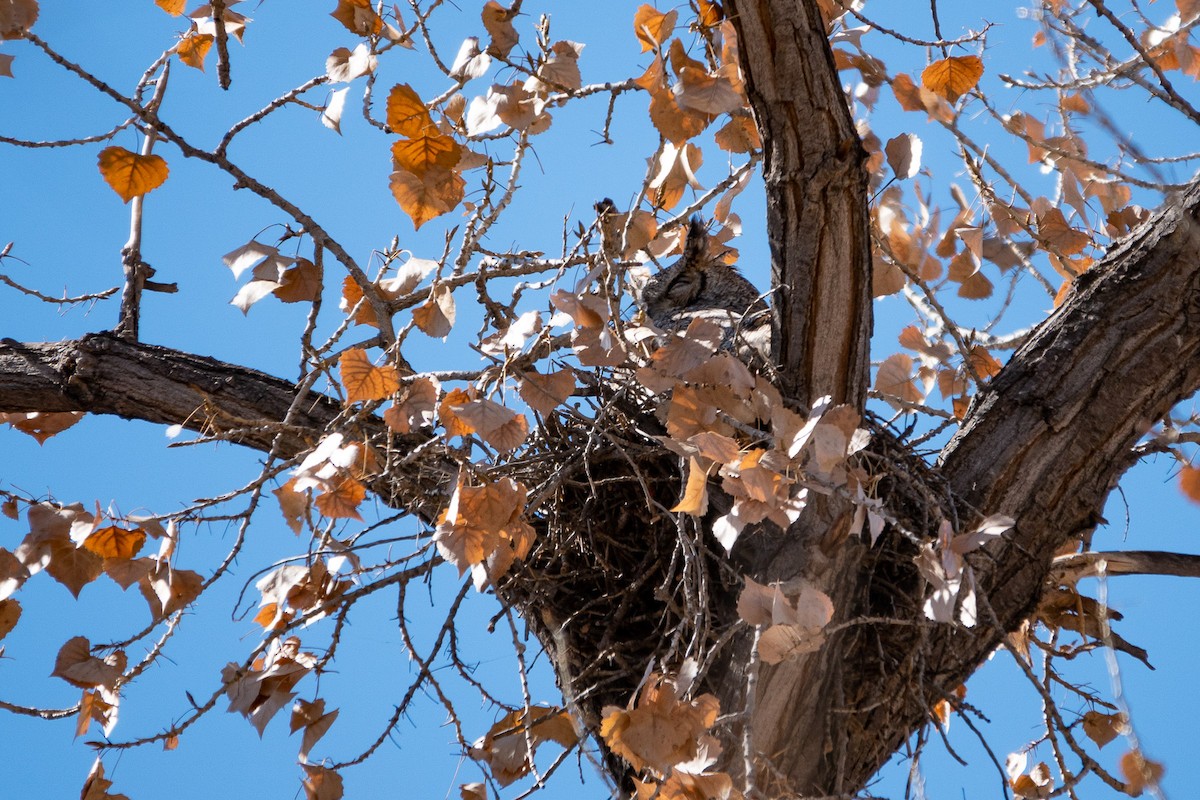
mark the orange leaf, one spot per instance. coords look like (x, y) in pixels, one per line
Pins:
(363, 380)
(450, 420)
(1189, 483)
(114, 542)
(1139, 772)
(675, 123)
(352, 298)
(341, 501)
(406, 113)
(358, 17)
(652, 27)
(711, 14)
(426, 196)
(953, 77)
(421, 153)
(172, 7)
(739, 135)
(695, 494)
(193, 50)
(129, 174)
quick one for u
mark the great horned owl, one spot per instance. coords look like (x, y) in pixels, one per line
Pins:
(700, 286)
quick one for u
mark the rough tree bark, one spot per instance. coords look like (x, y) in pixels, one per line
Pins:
(1044, 442)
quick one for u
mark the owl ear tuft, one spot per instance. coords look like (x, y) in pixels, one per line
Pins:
(695, 247)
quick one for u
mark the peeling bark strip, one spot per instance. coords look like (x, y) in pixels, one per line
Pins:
(817, 222)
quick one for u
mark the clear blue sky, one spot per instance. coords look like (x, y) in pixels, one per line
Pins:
(68, 228)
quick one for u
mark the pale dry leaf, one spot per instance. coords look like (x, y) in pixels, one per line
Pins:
(331, 115)
(471, 62)
(344, 65)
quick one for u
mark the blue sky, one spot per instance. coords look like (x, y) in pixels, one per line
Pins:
(68, 228)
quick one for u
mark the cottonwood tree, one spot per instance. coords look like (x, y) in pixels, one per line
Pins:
(755, 581)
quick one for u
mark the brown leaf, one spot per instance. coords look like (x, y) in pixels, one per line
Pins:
(953, 77)
(497, 20)
(983, 363)
(415, 408)
(894, 379)
(41, 425)
(321, 783)
(100, 706)
(1056, 234)
(708, 93)
(300, 283)
(76, 665)
(500, 427)
(363, 381)
(711, 13)
(907, 93)
(168, 590)
(904, 155)
(96, 786)
(315, 721)
(546, 392)
(10, 612)
(16, 17)
(479, 519)
(435, 316)
(1103, 728)
(131, 174)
